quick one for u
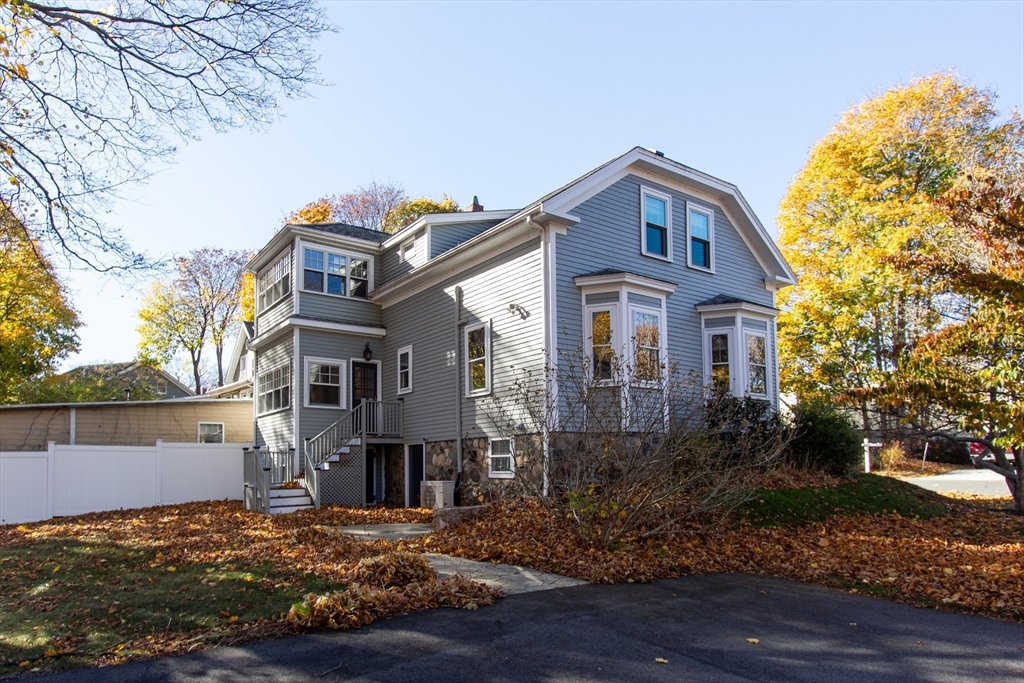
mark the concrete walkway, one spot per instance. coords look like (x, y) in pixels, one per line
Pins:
(509, 578)
(979, 482)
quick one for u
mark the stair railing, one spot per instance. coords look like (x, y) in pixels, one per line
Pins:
(312, 479)
(257, 481)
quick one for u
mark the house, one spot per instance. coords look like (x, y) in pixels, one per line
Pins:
(375, 354)
(133, 376)
(238, 376)
(193, 419)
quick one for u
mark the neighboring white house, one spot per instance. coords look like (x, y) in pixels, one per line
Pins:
(377, 351)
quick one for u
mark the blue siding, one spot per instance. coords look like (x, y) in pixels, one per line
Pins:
(608, 236)
(446, 237)
(339, 308)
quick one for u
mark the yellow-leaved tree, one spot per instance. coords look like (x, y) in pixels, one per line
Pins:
(871, 191)
(37, 323)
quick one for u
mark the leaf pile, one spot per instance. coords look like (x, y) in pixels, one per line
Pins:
(969, 560)
(104, 588)
(387, 585)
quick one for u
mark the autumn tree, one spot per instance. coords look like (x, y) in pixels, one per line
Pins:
(38, 326)
(199, 307)
(870, 191)
(377, 206)
(91, 95)
(973, 365)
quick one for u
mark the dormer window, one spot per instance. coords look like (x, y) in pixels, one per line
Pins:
(656, 224)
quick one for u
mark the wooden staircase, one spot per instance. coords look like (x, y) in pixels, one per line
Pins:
(284, 500)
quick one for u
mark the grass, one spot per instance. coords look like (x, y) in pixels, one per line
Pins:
(108, 587)
(868, 494)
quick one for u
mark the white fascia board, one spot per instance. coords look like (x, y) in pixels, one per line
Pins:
(504, 236)
(726, 195)
(363, 330)
(631, 279)
(216, 392)
(444, 219)
(740, 307)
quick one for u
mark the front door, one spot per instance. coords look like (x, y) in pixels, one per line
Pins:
(415, 474)
(364, 387)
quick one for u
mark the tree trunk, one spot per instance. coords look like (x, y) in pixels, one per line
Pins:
(1018, 486)
(196, 358)
(220, 364)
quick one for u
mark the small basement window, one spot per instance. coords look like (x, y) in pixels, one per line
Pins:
(501, 461)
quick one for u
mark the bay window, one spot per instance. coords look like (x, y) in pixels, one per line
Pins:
(334, 273)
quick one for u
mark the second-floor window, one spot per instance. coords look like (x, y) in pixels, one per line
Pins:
(274, 282)
(334, 273)
(656, 230)
(405, 370)
(701, 228)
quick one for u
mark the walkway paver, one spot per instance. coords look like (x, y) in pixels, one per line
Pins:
(388, 532)
(508, 577)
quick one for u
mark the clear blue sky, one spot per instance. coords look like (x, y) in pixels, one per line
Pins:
(509, 101)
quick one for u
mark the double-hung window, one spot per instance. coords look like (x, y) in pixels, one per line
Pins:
(272, 284)
(646, 344)
(405, 370)
(324, 381)
(273, 389)
(600, 338)
(501, 459)
(656, 228)
(700, 226)
(757, 364)
(478, 360)
(334, 273)
(718, 361)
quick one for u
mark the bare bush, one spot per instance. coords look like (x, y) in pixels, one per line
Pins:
(638, 453)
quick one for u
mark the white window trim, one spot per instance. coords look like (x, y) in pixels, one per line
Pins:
(734, 372)
(161, 383)
(300, 276)
(407, 250)
(588, 334)
(398, 363)
(199, 431)
(746, 364)
(342, 376)
(650, 192)
(291, 389)
(710, 213)
(487, 359)
(511, 456)
(284, 257)
(662, 341)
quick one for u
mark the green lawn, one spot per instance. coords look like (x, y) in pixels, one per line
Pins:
(870, 494)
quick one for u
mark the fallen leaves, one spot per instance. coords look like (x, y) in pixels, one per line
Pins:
(754, 641)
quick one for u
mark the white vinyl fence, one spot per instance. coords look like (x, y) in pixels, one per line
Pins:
(71, 480)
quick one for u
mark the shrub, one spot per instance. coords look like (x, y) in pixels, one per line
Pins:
(824, 439)
(892, 455)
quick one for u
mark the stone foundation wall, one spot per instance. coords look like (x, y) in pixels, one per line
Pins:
(477, 486)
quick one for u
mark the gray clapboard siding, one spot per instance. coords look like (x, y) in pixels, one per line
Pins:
(608, 236)
(274, 429)
(427, 322)
(334, 346)
(339, 308)
(267, 320)
(393, 267)
(450, 235)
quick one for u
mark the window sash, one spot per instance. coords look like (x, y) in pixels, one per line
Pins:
(501, 458)
(272, 283)
(478, 360)
(273, 389)
(757, 364)
(601, 338)
(334, 273)
(656, 224)
(647, 344)
(324, 382)
(700, 225)
(405, 370)
(718, 361)
(211, 432)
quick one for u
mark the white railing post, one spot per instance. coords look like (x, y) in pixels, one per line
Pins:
(867, 454)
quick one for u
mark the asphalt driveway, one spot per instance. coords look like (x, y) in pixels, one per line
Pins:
(979, 482)
(700, 625)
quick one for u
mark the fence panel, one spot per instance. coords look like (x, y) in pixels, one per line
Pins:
(24, 494)
(73, 480)
(208, 471)
(98, 478)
